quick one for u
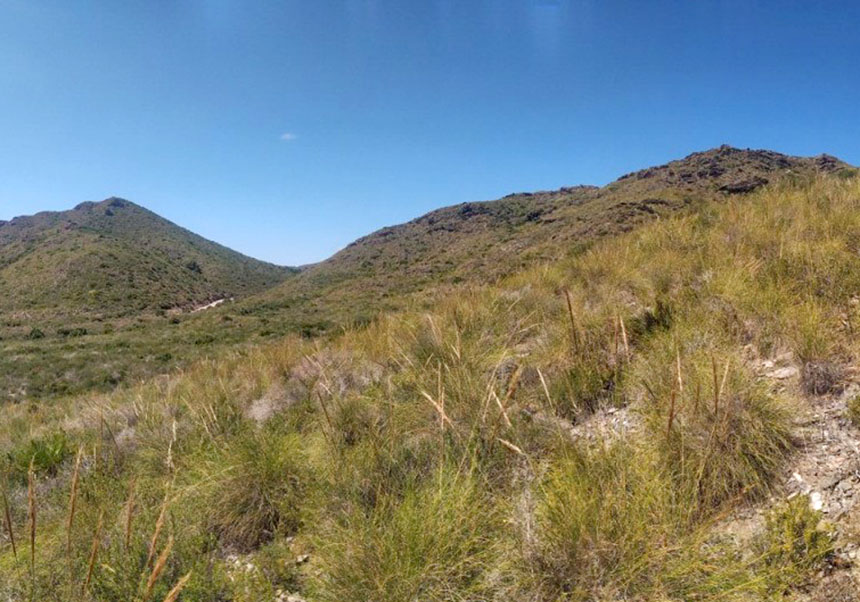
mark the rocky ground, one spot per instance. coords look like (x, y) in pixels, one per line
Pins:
(826, 467)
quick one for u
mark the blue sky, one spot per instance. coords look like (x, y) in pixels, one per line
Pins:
(287, 129)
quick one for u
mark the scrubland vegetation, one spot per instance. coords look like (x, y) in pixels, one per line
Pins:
(103, 294)
(456, 454)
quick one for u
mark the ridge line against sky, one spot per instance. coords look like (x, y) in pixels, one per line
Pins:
(287, 130)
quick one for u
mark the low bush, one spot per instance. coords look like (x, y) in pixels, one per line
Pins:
(46, 453)
(853, 410)
(438, 542)
(795, 545)
(260, 489)
(603, 514)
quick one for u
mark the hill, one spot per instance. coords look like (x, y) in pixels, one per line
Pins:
(412, 265)
(671, 414)
(482, 241)
(115, 258)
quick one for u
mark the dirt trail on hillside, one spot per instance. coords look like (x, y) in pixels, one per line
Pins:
(215, 303)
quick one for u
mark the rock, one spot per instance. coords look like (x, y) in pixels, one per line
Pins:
(815, 501)
(827, 162)
(303, 558)
(831, 483)
(743, 185)
(839, 587)
(783, 373)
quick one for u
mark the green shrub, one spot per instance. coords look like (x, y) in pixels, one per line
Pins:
(72, 332)
(582, 387)
(733, 452)
(853, 410)
(261, 491)
(602, 515)
(204, 339)
(436, 543)
(728, 435)
(46, 453)
(795, 545)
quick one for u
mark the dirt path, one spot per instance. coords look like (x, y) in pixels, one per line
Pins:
(215, 303)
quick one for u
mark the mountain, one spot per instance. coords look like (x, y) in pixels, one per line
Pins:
(84, 288)
(115, 258)
(673, 414)
(481, 241)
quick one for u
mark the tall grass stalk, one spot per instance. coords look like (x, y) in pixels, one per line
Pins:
(94, 551)
(173, 594)
(160, 563)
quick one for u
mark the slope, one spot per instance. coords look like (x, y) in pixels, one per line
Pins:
(479, 242)
(411, 265)
(664, 416)
(115, 258)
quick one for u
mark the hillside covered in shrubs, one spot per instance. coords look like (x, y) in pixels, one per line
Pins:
(621, 423)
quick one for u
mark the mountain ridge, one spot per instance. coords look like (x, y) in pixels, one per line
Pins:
(472, 432)
(488, 239)
(115, 257)
(410, 265)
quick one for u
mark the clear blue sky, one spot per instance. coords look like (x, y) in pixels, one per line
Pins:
(287, 129)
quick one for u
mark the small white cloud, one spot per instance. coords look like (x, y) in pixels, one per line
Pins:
(287, 136)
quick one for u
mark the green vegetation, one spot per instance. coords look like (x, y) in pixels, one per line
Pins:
(434, 541)
(457, 452)
(92, 292)
(109, 285)
(261, 496)
(109, 259)
(44, 456)
(854, 410)
(796, 543)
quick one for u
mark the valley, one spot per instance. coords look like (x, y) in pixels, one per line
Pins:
(646, 391)
(83, 300)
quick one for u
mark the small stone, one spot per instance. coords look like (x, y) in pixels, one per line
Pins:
(830, 483)
(303, 558)
(783, 373)
(815, 501)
